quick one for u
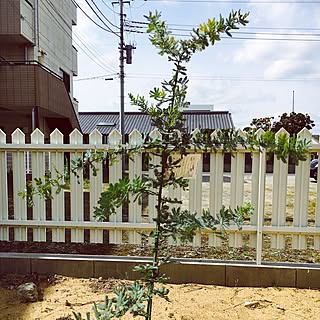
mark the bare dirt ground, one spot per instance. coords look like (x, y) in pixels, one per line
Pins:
(62, 295)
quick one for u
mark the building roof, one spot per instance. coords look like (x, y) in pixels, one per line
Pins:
(105, 122)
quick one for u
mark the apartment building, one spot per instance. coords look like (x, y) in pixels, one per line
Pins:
(37, 66)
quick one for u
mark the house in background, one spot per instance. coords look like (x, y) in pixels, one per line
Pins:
(105, 122)
(37, 65)
(196, 118)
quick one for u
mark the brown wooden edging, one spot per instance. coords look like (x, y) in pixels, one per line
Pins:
(224, 273)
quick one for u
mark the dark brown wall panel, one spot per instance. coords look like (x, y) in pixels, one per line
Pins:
(10, 17)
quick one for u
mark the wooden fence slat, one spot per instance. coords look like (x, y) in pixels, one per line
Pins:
(261, 205)
(155, 135)
(76, 190)
(19, 184)
(4, 210)
(300, 218)
(255, 180)
(216, 191)
(236, 196)
(316, 241)
(135, 170)
(279, 196)
(96, 186)
(115, 174)
(38, 171)
(195, 196)
(57, 203)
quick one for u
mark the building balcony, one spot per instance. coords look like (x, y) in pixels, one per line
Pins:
(16, 22)
(26, 85)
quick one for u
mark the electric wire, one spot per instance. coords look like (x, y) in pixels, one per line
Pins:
(114, 25)
(95, 54)
(235, 32)
(221, 78)
(247, 27)
(115, 12)
(95, 13)
(242, 38)
(95, 59)
(97, 24)
(97, 77)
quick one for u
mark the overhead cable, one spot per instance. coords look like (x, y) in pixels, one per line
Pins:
(97, 24)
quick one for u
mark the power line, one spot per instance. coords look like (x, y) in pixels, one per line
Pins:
(234, 33)
(98, 63)
(102, 64)
(97, 24)
(104, 15)
(95, 13)
(222, 78)
(115, 12)
(205, 78)
(241, 38)
(96, 77)
(247, 27)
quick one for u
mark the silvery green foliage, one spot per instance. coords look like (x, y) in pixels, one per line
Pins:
(171, 222)
(165, 111)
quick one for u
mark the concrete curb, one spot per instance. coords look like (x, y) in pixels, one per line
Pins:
(224, 273)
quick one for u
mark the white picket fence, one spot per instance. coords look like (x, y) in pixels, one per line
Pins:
(280, 220)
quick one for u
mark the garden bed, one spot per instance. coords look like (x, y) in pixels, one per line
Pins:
(244, 253)
(63, 295)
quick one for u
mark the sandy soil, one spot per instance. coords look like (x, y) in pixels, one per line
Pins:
(189, 302)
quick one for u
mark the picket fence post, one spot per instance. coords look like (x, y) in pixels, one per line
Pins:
(57, 203)
(38, 171)
(4, 196)
(195, 193)
(135, 170)
(96, 186)
(155, 160)
(261, 202)
(317, 211)
(300, 216)
(19, 184)
(237, 189)
(76, 189)
(255, 181)
(115, 174)
(279, 195)
(216, 188)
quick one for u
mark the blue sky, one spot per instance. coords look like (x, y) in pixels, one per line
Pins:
(248, 77)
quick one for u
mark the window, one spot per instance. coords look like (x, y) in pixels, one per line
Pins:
(66, 80)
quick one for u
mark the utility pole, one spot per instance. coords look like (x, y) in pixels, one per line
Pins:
(293, 101)
(121, 50)
(128, 49)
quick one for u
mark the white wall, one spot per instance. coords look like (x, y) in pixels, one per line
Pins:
(27, 22)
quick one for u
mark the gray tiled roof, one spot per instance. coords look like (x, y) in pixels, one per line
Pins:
(142, 123)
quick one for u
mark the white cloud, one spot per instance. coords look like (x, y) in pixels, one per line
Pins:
(252, 52)
(289, 69)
